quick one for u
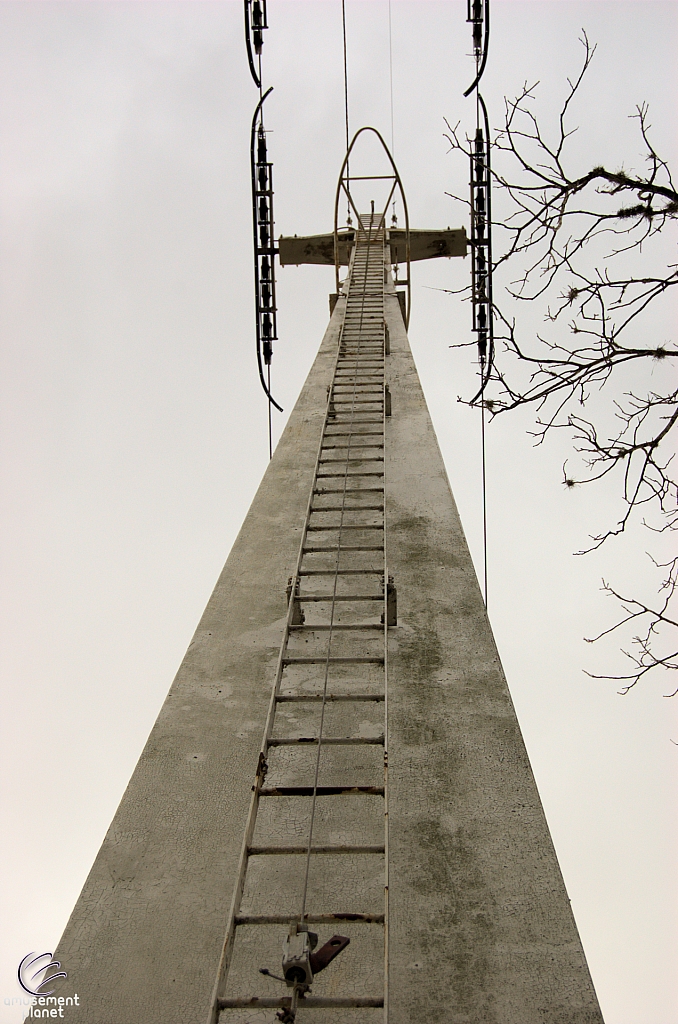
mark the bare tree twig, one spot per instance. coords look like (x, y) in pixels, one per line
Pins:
(578, 244)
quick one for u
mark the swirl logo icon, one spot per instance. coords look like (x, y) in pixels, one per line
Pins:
(33, 982)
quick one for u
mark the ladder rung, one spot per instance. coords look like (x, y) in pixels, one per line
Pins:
(341, 572)
(349, 508)
(321, 790)
(286, 851)
(333, 551)
(333, 661)
(298, 698)
(350, 526)
(333, 476)
(349, 490)
(340, 625)
(312, 1002)
(332, 741)
(309, 918)
(340, 597)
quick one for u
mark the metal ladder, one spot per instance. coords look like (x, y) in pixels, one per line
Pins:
(315, 849)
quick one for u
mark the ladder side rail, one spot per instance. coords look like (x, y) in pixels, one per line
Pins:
(227, 950)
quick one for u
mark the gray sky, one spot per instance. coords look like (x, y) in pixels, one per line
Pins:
(134, 431)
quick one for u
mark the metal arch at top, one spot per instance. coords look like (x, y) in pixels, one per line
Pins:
(345, 183)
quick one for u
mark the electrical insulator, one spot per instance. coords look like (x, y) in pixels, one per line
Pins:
(258, 25)
(474, 14)
(482, 346)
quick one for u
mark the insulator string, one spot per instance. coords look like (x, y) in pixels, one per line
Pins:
(478, 14)
(263, 223)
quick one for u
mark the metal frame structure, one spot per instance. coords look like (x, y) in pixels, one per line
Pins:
(344, 183)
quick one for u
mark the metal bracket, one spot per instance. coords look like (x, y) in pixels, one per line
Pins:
(298, 617)
(387, 400)
(391, 602)
(326, 954)
(387, 340)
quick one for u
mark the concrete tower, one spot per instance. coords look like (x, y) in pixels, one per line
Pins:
(336, 790)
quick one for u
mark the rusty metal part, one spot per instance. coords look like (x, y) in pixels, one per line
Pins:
(324, 956)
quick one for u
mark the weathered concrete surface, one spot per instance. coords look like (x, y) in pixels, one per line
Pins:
(481, 926)
(481, 929)
(144, 940)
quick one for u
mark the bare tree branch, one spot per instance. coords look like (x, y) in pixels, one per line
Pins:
(579, 245)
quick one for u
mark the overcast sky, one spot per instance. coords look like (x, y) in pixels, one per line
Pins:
(134, 430)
